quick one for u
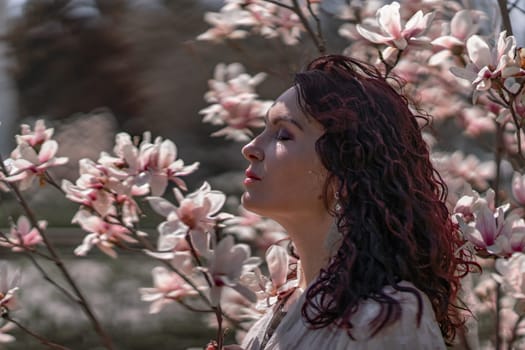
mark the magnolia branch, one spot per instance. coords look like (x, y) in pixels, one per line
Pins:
(316, 37)
(505, 16)
(29, 253)
(82, 301)
(148, 246)
(43, 341)
(216, 309)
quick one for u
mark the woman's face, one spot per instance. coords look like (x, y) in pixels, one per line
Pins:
(285, 176)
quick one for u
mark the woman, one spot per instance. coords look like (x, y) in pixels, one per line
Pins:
(342, 166)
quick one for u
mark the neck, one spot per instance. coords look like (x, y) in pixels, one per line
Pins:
(309, 235)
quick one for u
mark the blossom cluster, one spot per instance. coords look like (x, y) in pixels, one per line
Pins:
(234, 102)
(107, 189)
(237, 18)
(34, 155)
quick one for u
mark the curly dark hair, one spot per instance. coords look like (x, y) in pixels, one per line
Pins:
(393, 218)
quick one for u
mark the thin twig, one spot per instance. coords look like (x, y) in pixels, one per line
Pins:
(498, 157)
(148, 246)
(499, 339)
(42, 340)
(52, 182)
(191, 308)
(318, 41)
(50, 280)
(82, 301)
(318, 25)
(216, 309)
(505, 16)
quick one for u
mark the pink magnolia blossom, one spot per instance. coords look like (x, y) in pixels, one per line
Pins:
(239, 114)
(234, 102)
(487, 228)
(27, 164)
(466, 168)
(389, 30)
(22, 235)
(168, 287)
(8, 288)
(151, 165)
(3, 183)
(35, 137)
(488, 64)
(511, 275)
(232, 80)
(271, 20)
(196, 215)
(278, 286)
(105, 235)
(258, 231)
(93, 188)
(159, 163)
(4, 337)
(462, 27)
(226, 24)
(225, 266)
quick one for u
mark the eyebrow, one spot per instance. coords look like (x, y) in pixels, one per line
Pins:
(284, 118)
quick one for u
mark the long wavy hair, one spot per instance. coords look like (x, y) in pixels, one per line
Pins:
(391, 212)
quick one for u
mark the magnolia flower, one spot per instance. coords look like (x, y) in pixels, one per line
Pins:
(226, 265)
(103, 234)
(158, 164)
(28, 164)
(8, 288)
(238, 114)
(468, 168)
(232, 80)
(93, 188)
(278, 286)
(276, 21)
(149, 166)
(489, 63)
(4, 337)
(196, 215)
(487, 228)
(168, 287)
(510, 274)
(36, 137)
(258, 231)
(390, 31)
(226, 24)
(234, 102)
(22, 235)
(462, 27)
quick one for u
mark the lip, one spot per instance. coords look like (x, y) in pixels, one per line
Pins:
(250, 177)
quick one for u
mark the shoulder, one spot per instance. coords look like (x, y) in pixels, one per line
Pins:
(416, 327)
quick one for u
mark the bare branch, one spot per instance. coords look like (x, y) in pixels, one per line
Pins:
(505, 16)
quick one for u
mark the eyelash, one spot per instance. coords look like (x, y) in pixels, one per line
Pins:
(283, 135)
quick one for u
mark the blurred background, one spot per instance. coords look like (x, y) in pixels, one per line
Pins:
(92, 68)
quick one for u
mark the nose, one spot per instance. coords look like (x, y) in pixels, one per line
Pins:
(252, 152)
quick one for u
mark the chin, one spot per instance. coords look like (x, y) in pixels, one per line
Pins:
(250, 204)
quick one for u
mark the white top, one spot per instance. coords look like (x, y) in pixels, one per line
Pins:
(293, 332)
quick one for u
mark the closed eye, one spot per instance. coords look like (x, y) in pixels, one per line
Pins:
(283, 135)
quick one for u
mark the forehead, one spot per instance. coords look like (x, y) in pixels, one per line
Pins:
(287, 105)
